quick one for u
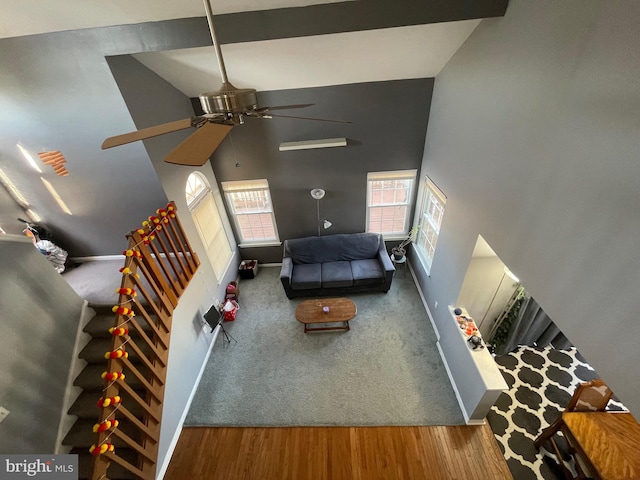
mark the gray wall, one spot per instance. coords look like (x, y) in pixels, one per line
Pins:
(533, 137)
(39, 315)
(59, 94)
(389, 125)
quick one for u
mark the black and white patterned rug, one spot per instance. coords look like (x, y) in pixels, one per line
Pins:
(541, 382)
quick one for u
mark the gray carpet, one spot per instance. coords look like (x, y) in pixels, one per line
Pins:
(385, 371)
(96, 281)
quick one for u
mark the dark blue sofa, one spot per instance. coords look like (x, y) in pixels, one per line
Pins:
(336, 265)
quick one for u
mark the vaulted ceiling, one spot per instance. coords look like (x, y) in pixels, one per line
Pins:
(57, 93)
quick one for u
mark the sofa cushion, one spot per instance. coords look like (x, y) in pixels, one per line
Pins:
(336, 274)
(367, 272)
(306, 276)
(332, 248)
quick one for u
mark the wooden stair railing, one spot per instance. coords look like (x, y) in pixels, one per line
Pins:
(159, 263)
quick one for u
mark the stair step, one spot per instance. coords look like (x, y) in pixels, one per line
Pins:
(99, 325)
(85, 405)
(89, 378)
(94, 351)
(114, 472)
(81, 434)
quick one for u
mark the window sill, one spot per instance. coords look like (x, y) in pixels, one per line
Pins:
(265, 244)
(393, 238)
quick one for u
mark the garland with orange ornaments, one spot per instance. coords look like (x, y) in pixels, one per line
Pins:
(148, 235)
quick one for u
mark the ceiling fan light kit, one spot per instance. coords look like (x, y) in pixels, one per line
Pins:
(310, 144)
(230, 100)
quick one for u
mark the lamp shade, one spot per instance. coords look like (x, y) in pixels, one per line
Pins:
(317, 193)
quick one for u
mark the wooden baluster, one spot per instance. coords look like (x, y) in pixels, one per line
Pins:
(176, 252)
(192, 256)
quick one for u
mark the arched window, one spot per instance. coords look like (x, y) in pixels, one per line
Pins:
(208, 221)
(196, 189)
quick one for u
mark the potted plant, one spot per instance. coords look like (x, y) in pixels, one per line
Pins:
(399, 251)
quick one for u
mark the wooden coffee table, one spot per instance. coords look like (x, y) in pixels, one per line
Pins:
(340, 310)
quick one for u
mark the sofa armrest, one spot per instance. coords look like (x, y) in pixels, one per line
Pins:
(385, 261)
(287, 269)
(286, 272)
(387, 265)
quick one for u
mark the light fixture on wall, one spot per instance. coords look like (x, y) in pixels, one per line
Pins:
(310, 144)
(318, 194)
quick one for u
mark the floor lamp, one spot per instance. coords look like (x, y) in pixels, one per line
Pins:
(318, 194)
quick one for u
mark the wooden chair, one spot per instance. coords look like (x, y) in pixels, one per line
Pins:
(591, 396)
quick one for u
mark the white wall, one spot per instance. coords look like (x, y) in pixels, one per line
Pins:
(485, 291)
(533, 137)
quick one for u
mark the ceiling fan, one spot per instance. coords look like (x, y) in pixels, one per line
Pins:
(223, 109)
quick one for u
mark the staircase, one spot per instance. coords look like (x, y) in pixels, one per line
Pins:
(119, 410)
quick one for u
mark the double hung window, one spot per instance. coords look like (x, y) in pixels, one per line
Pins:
(389, 197)
(249, 202)
(432, 211)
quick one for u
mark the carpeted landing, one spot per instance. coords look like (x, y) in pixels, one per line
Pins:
(385, 371)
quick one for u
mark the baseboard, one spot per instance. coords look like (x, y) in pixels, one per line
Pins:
(71, 393)
(102, 258)
(176, 436)
(453, 384)
(97, 258)
(424, 302)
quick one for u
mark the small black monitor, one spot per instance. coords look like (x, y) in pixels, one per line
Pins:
(213, 317)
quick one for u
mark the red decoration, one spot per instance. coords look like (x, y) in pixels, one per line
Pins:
(112, 376)
(116, 354)
(105, 402)
(127, 291)
(106, 425)
(123, 311)
(118, 331)
(104, 448)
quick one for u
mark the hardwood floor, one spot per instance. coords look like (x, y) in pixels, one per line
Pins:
(337, 453)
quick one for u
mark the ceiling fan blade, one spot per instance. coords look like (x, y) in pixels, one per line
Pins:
(269, 115)
(199, 146)
(149, 132)
(283, 107)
